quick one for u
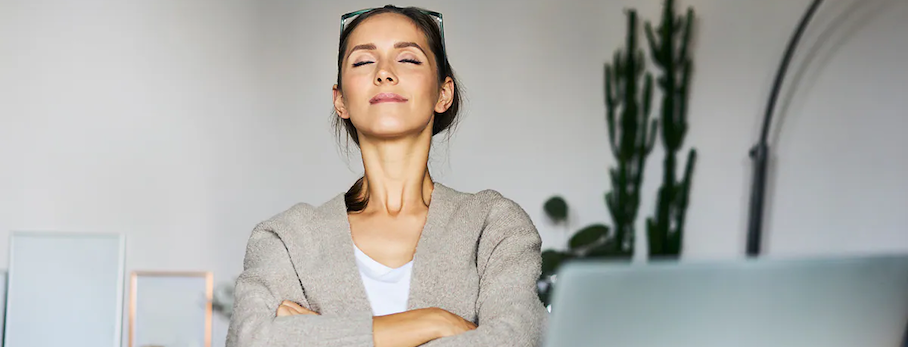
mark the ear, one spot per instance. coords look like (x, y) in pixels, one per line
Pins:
(339, 106)
(445, 96)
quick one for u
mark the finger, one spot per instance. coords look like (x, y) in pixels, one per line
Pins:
(283, 311)
(297, 308)
(293, 305)
(284, 308)
(301, 309)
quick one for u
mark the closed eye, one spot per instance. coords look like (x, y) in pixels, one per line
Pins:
(411, 61)
(361, 63)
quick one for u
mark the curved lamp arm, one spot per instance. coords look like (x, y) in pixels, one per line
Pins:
(760, 152)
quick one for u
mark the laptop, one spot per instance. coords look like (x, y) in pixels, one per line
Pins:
(853, 301)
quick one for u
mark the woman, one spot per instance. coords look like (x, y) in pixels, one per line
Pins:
(397, 260)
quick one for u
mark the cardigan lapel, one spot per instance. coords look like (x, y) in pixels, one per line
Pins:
(343, 259)
(427, 257)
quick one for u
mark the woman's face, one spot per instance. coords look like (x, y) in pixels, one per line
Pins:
(390, 86)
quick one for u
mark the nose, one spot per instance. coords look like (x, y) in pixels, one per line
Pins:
(385, 75)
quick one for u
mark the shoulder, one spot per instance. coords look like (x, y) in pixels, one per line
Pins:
(298, 213)
(302, 214)
(494, 207)
(491, 200)
(505, 230)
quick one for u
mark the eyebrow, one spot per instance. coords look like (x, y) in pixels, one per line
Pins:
(371, 46)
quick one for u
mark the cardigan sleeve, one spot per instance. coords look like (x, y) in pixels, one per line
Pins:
(268, 278)
(509, 261)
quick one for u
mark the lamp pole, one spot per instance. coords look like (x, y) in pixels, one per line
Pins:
(760, 152)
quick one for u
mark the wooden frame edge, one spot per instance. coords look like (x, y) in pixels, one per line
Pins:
(209, 294)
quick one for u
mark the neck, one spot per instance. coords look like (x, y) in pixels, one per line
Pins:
(396, 174)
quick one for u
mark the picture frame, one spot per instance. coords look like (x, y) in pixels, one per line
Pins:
(81, 271)
(170, 308)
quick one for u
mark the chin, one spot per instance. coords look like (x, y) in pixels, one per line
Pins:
(389, 127)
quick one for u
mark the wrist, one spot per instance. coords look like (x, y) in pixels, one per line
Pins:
(410, 328)
(432, 322)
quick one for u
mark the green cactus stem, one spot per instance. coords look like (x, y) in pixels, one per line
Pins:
(669, 49)
(631, 135)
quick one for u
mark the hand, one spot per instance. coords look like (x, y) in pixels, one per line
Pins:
(290, 308)
(449, 324)
(416, 327)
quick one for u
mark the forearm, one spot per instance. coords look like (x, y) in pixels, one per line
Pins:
(405, 329)
(496, 334)
(262, 330)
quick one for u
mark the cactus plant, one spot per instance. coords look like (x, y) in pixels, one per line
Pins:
(669, 49)
(628, 96)
(628, 99)
(631, 137)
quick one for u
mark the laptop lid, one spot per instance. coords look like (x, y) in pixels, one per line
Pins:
(830, 302)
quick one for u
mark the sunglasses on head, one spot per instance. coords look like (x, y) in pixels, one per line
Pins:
(347, 17)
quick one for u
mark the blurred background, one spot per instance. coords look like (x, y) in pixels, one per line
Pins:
(183, 123)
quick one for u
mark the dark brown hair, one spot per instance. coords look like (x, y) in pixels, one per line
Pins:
(356, 197)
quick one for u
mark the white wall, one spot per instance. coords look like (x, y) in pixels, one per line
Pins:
(184, 123)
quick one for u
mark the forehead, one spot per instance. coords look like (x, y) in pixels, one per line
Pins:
(387, 28)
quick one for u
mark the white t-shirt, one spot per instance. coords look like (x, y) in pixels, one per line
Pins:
(386, 288)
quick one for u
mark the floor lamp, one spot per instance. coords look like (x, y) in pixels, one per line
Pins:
(760, 152)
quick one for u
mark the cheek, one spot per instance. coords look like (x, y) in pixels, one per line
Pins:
(355, 86)
(425, 87)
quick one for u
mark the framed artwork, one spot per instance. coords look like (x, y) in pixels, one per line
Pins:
(170, 309)
(71, 281)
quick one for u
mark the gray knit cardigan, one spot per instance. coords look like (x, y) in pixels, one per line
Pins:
(478, 257)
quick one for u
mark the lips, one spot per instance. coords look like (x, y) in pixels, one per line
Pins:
(387, 97)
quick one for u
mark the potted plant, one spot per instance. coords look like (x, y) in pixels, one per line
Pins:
(632, 135)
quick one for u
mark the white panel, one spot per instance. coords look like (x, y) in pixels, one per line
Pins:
(65, 289)
(171, 310)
